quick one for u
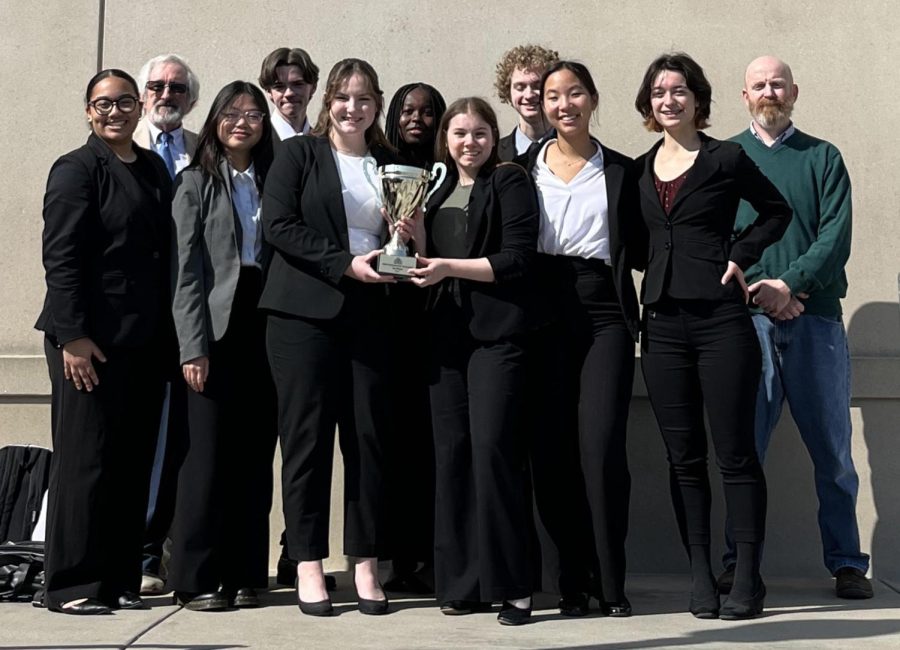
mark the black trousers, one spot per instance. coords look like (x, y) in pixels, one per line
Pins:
(482, 507)
(579, 462)
(330, 372)
(410, 449)
(705, 353)
(220, 531)
(100, 472)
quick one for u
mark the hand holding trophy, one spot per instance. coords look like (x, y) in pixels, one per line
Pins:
(402, 190)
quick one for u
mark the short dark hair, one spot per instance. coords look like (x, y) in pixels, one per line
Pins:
(210, 150)
(392, 121)
(476, 106)
(696, 82)
(287, 56)
(109, 72)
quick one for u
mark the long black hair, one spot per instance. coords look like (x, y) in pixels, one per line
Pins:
(392, 122)
(210, 150)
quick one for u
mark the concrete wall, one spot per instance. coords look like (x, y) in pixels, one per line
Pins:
(843, 55)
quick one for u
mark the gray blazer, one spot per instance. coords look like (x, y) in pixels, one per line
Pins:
(206, 259)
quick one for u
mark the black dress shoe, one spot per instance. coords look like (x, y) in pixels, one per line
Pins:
(573, 604)
(372, 607)
(287, 571)
(464, 607)
(212, 601)
(318, 608)
(245, 597)
(706, 607)
(725, 580)
(512, 615)
(617, 609)
(852, 583)
(130, 600)
(735, 610)
(89, 607)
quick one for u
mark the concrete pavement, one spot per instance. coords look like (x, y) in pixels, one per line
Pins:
(800, 613)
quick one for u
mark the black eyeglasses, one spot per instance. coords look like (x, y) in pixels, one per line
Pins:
(125, 104)
(253, 117)
(158, 87)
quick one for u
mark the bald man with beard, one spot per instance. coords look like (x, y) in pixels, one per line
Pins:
(797, 287)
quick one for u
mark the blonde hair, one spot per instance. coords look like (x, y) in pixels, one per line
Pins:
(339, 74)
(524, 57)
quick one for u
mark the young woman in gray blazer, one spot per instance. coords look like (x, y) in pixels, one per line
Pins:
(220, 531)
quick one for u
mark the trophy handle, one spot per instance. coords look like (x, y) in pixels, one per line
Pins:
(440, 171)
(370, 171)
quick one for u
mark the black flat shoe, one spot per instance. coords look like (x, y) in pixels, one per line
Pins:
(213, 601)
(737, 610)
(725, 580)
(89, 607)
(618, 609)
(705, 607)
(130, 600)
(573, 604)
(464, 607)
(245, 598)
(512, 615)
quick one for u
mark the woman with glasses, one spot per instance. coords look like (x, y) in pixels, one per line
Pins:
(108, 338)
(327, 336)
(220, 531)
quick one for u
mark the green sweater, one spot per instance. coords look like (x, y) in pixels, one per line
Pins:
(811, 255)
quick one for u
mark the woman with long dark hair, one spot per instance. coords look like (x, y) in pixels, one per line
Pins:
(327, 332)
(411, 127)
(108, 340)
(699, 348)
(220, 530)
(411, 123)
(481, 229)
(591, 236)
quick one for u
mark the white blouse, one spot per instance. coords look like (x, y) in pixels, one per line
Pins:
(574, 215)
(245, 198)
(364, 221)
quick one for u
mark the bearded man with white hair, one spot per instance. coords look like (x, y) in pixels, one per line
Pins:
(797, 288)
(169, 90)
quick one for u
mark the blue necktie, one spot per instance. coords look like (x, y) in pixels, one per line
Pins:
(165, 150)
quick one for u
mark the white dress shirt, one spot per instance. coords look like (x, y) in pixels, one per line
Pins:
(284, 129)
(245, 198)
(179, 153)
(574, 215)
(361, 204)
(523, 142)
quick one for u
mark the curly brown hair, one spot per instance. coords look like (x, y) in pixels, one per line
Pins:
(524, 57)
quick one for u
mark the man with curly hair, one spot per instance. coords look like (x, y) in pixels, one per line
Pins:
(518, 83)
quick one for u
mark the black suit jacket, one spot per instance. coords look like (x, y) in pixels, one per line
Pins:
(502, 226)
(304, 220)
(627, 233)
(689, 251)
(106, 245)
(506, 147)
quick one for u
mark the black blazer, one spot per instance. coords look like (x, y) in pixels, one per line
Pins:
(106, 245)
(506, 147)
(689, 251)
(502, 226)
(627, 232)
(304, 220)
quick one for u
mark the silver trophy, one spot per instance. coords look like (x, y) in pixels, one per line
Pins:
(401, 190)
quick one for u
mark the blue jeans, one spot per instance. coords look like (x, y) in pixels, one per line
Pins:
(806, 361)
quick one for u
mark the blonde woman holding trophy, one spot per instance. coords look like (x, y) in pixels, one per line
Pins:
(327, 334)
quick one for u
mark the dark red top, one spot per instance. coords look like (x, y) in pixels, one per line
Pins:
(668, 190)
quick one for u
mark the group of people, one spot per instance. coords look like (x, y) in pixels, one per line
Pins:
(210, 294)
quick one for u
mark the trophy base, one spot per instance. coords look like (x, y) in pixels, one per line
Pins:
(397, 265)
